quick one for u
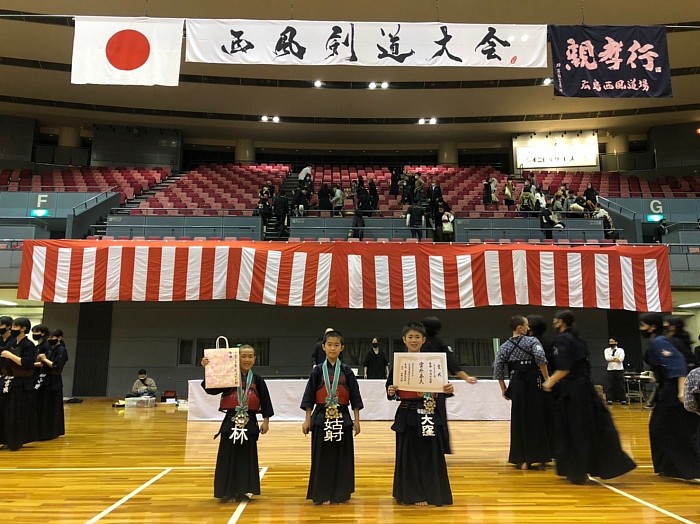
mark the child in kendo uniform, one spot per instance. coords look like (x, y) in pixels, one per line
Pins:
(237, 473)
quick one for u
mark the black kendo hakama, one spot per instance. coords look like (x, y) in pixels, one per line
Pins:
(49, 399)
(673, 432)
(18, 424)
(586, 440)
(237, 472)
(332, 475)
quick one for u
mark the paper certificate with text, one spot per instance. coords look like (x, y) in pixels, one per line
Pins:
(422, 372)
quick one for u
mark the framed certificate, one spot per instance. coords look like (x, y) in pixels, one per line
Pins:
(223, 369)
(422, 372)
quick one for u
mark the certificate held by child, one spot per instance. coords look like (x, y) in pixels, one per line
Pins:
(421, 372)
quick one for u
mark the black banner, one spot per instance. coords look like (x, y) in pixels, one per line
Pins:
(610, 61)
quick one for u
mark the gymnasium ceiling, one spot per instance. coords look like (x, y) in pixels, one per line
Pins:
(35, 57)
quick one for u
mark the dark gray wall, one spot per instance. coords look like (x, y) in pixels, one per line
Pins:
(675, 145)
(17, 138)
(136, 146)
(146, 334)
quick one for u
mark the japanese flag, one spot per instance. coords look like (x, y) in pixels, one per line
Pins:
(127, 51)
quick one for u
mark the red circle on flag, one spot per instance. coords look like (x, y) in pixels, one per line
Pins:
(128, 50)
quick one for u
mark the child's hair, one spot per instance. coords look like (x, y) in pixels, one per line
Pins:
(246, 346)
(23, 322)
(6, 321)
(333, 334)
(413, 326)
(656, 320)
(41, 328)
(537, 325)
(57, 333)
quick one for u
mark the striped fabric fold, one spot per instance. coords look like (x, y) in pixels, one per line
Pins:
(348, 275)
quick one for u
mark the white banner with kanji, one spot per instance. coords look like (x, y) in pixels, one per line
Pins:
(304, 42)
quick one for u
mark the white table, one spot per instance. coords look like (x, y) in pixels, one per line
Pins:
(480, 401)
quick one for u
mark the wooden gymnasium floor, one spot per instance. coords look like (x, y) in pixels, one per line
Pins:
(152, 466)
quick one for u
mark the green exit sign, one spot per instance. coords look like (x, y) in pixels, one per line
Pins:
(39, 213)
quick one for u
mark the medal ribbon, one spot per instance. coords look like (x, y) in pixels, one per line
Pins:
(243, 396)
(332, 398)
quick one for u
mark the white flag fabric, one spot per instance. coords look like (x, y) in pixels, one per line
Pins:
(314, 42)
(127, 51)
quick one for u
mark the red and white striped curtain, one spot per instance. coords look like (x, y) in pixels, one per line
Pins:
(348, 274)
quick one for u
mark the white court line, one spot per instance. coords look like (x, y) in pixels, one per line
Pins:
(643, 502)
(124, 499)
(239, 510)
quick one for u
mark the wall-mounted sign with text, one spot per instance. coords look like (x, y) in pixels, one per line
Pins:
(556, 151)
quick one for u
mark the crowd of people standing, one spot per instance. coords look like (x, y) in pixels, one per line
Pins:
(31, 399)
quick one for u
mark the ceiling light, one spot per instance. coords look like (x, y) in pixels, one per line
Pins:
(691, 304)
(433, 120)
(275, 119)
(372, 85)
(546, 81)
(7, 303)
(511, 39)
(385, 85)
(421, 121)
(318, 83)
(264, 118)
(524, 38)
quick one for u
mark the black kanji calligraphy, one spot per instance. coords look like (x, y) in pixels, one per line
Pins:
(336, 40)
(443, 46)
(238, 44)
(393, 52)
(286, 45)
(489, 42)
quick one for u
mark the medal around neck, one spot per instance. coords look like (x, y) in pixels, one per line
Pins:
(332, 411)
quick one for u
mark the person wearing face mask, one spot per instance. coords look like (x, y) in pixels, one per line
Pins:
(17, 397)
(40, 335)
(144, 386)
(50, 396)
(525, 360)
(675, 449)
(6, 339)
(376, 364)
(680, 338)
(615, 357)
(587, 442)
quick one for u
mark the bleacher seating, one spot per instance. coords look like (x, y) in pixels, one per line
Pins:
(212, 190)
(130, 182)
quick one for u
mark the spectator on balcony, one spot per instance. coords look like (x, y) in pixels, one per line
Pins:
(434, 194)
(420, 184)
(364, 202)
(558, 203)
(338, 200)
(547, 221)
(304, 173)
(358, 225)
(487, 196)
(373, 193)
(415, 220)
(540, 200)
(509, 193)
(445, 230)
(308, 184)
(395, 179)
(590, 195)
(324, 198)
(527, 200)
(409, 188)
(608, 226)
(281, 208)
(300, 202)
(659, 232)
